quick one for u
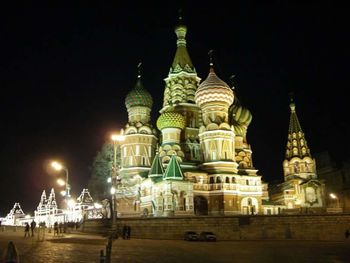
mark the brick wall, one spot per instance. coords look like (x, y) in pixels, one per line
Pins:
(299, 227)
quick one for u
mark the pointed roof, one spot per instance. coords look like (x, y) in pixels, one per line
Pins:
(43, 197)
(182, 60)
(15, 211)
(294, 124)
(173, 171)
(51, 202)
(297, 144)
(85, 198)
(156, 168)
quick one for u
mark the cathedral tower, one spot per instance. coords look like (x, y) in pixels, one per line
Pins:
(138, 149)
(180, 87)
(217, 137)
(301, 190)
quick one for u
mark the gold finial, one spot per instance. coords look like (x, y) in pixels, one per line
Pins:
(139, 70)
(291, 104)
(180, 15)
(210, 53)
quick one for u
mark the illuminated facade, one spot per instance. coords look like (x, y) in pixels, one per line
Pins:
(199, 162)
(301, 189)
(14, 216)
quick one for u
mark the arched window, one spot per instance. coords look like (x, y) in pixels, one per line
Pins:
(218, 180)
(211, 180)
(227, 180)
(249, 201)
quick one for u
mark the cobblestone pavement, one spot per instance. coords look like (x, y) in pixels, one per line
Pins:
(77, 247)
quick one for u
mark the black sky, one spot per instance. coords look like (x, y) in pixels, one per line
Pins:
(65, 72)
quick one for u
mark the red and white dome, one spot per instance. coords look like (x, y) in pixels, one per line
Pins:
(213, 89)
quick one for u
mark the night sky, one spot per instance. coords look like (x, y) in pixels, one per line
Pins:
(65, 72)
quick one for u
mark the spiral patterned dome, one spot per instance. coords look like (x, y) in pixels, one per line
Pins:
(213, 89)
(138, 96)
(241, 115)
(171, 120)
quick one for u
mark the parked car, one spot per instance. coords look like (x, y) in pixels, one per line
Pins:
(207, 236)
(190, 236)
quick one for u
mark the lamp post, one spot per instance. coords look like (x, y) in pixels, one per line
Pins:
(59, 167)
(117, 139)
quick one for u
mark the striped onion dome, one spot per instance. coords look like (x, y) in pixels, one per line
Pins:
(241, 115)
(138, 96)
(171, 120)
(213, 89)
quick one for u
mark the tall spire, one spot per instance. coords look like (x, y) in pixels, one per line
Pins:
(296, 145)
(182, 60)
(294, 125)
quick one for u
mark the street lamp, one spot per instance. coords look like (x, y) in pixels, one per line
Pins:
(59, 167)
(333, 196)
(117, 139)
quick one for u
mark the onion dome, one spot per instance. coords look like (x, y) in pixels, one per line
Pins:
(171, 120)
(241, 115)
(138, 96)
(241, 118)
(213, 89)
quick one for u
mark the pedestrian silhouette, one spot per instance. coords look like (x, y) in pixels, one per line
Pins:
(32, 227)
(347, 234)
(11, 253)
(26, 230)
(60, 226)
(55, 229)
(128, 232)
(124, 231)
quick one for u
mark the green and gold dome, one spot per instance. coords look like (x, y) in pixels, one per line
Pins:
(138, 96)
(171, 120)
(241, 115)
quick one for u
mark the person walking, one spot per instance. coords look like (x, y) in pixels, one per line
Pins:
(60, 226)
(128, 231)
(26, 230)
(55, 229)
(125, 232)
(32, 226)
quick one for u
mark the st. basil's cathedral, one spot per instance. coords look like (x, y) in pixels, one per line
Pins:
(197, 160)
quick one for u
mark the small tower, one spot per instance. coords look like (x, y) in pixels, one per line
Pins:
(43, 202)
(301, 190)
(298, 161)
(51, 201)
(217, 137)
(138, 149)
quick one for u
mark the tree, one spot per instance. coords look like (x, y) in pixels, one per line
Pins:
(102, 170)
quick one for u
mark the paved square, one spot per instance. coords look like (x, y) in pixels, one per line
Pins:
(78, 247)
